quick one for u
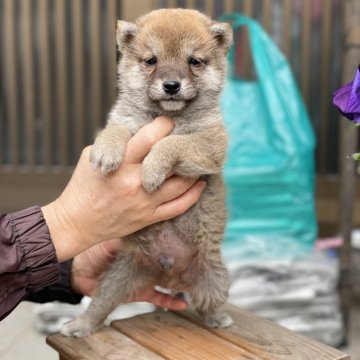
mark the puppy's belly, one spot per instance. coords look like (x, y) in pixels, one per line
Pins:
(168, 247)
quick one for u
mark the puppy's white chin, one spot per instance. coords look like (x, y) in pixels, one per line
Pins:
(172, 105)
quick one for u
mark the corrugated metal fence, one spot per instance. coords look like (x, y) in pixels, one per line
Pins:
(58, 77)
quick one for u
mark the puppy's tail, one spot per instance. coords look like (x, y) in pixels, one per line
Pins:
(166, 262)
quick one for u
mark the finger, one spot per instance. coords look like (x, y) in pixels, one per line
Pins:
(85, 153)
(172, 188)
(100, 256)
(168, 302)
(179, 205)
(112, 247)
(140, 144)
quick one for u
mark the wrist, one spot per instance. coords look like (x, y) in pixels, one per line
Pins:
(68, 240)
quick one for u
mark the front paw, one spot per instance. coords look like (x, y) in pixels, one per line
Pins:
(151, 178)
(78, 328)
(154, 171)
(106, 157)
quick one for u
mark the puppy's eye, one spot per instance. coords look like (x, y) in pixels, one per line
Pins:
(152, 61)
(194, 62)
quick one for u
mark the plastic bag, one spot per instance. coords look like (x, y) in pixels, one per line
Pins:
(269, 171)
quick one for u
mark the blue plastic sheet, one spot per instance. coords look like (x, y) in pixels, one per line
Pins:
(269, 171)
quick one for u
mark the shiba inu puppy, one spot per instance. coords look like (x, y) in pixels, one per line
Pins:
(173, 62)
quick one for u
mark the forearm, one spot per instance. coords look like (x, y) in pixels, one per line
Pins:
(28, 259)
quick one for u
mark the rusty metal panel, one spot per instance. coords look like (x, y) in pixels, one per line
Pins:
(228, 6)
(28, 80)
(310, 36)
(61, 75)
(78, 55)
(210, 8)
(110, 55)
(45, 99)
(11, 81)
(326, 20)
(58, 69)
(131, 9)
(95, 64)
(305, 49)
(286, 26)
(248, 7)
(190, 4)
(267, 15)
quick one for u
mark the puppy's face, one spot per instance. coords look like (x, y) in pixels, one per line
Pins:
(173, 57)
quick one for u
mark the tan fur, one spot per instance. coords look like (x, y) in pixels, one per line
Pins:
(183, 253)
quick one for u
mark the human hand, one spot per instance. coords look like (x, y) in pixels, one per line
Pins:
(88, 266)
(94, 208)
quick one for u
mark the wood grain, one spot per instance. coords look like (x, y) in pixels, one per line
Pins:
(267, 340)
(177, 339)
(106, 344)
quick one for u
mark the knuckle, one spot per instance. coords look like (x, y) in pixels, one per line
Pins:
(184, 183)
(132, 184)
(179, 208)
(148, 138)
(86, 151)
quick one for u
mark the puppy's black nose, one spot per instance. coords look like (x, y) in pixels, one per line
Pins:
(171, 87)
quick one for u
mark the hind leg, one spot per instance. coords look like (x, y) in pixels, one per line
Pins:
(120, 284)
(210, 294)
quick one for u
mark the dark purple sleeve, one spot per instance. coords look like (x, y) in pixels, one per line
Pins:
(28, 263)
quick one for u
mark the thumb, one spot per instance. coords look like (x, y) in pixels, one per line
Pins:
(141, 143)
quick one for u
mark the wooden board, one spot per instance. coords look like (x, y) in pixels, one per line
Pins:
(105, 344)
(183, 336)
(267, 340)
(177, 339)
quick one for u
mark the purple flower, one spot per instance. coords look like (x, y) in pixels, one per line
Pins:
(347, 99)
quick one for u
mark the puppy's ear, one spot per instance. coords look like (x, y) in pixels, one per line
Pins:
(223, 34)
(125, 33)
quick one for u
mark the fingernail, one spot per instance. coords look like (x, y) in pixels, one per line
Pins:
(202, 184)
